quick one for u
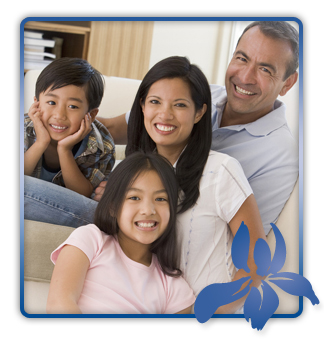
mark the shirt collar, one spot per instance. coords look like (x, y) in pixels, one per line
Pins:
(261, 127)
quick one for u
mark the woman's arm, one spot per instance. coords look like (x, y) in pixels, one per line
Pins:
(67, 281)
(249, 213)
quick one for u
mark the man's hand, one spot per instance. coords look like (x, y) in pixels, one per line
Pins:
(35, 114)
(99, 191)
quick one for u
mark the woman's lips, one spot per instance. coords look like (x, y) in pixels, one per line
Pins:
(165, 129)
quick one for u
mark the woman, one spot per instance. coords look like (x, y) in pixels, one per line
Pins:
(171, 115)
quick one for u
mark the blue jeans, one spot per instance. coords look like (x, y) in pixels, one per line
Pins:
(51, 203)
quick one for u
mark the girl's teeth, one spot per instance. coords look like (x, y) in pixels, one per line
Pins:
(242, 91)
(145, 225)
(165, 128)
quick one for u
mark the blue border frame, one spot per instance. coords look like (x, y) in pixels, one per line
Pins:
(22, 297)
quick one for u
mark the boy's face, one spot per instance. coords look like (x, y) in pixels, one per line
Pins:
(63, 110)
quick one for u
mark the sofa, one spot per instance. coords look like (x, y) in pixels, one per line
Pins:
(40, 239)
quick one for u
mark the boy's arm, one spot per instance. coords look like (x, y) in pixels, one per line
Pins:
(35, 152)
(117, 127)
(72, 175)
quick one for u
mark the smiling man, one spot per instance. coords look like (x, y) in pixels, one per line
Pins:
(248, 120)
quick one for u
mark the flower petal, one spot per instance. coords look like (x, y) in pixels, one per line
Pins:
(262, 257)
(279, 256)
(260, 310)
(240, 248)
(296, 285)
(215, 295)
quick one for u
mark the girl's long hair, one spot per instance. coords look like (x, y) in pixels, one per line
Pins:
(120, 180)
(191, 163)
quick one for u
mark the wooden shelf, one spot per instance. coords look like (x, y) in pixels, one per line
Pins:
(115, 48)
(57, 27)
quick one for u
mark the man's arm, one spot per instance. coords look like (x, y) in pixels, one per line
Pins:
(117, 127)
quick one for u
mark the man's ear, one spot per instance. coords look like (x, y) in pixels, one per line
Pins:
(35, 100)
(93, 113)
(200, 113)
(290, 81)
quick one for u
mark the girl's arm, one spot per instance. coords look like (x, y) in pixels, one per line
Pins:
(249, 213)
(186, 311)
(67, 281)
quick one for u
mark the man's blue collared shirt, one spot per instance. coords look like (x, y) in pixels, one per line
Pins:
(266, 150)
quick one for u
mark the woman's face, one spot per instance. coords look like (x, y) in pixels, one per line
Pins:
(169, 115)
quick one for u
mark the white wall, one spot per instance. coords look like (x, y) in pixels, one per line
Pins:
(195, 40)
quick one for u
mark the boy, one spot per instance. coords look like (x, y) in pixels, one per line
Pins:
(64, 143)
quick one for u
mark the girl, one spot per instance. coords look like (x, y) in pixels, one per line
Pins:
(125, 263)
(171, 114)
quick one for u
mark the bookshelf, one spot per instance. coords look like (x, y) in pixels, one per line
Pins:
(115, 48)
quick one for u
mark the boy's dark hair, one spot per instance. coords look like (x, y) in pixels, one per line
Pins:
(120, 180)
(191, 163)
(283, 31)
(72, 71)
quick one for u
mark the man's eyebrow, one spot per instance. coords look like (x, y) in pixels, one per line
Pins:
(70, 98)
(264, 64)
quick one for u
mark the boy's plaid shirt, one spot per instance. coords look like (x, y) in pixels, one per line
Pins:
(95, 162)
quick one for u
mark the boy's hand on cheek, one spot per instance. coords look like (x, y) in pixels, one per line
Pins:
(35, 115)
(67, 143)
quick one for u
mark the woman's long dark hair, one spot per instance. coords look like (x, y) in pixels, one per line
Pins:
(120, 180)
(191, 163)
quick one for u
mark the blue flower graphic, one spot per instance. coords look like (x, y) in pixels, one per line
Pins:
(259, 307)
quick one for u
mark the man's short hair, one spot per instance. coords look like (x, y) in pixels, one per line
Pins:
(283, 31)
(72, 71)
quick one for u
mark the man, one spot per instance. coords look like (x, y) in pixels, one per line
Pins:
(248, 121)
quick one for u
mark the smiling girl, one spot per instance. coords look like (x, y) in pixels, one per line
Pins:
(126, 262)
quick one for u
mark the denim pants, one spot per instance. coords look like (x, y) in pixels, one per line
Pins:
(51, 203)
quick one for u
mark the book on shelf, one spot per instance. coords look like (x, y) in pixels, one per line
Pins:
(32, 34)
(39, 42)
(35, 55)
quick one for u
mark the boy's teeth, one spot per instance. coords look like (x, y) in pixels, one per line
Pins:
(165, 128)
(242, 91)
(58, 127)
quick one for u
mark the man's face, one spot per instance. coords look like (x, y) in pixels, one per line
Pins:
(254, 77)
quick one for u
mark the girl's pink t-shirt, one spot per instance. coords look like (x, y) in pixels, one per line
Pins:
(115, 284)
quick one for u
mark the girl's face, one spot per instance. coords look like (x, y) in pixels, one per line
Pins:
(145, 213)
(169, 115)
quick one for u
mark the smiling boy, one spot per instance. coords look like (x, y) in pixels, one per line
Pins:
(64, 143)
